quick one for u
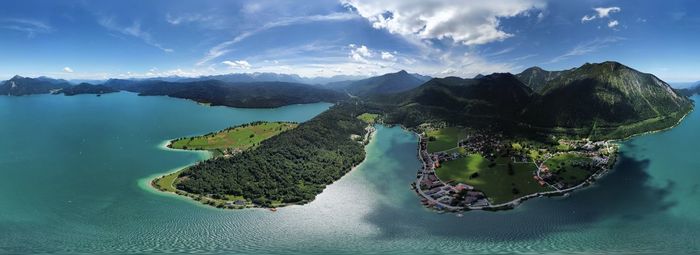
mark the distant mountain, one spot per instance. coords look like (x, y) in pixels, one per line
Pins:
(608, 97)
(19, 86)
(242, 94)
(268, 77)
(85, 88)
(390, 83)
(248, 77)
(690, 90)
(324, 81)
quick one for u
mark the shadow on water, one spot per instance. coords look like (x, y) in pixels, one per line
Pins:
(624, 194)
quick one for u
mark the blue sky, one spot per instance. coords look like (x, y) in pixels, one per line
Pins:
(103, 39)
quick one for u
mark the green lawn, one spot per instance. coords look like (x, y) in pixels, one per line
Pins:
(370, 118)
(166, 183)
(444, 138)
(496, 181)
(240, 137)
(562, 165)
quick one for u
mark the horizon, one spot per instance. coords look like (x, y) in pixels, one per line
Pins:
(77, 40)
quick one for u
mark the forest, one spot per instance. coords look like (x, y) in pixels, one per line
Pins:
(292, 167)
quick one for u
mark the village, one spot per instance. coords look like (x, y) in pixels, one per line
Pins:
(496, 172)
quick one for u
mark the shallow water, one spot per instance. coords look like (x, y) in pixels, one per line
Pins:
(74, 174)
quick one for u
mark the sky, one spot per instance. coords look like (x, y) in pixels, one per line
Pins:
(80, 39)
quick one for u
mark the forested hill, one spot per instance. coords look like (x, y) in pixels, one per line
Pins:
(605, 94)
(459, 101)
(85, 88)
(244, 95)
(291, 167)
(608, 96)
(19, 86)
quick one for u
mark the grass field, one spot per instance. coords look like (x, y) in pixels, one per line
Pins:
(240, 137)
(563, 166)
(166, 183)
(444, 138)
(495, 181)
(370, 118)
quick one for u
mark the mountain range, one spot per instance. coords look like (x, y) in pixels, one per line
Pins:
(606, 97)
(602, 97)
(20, 86)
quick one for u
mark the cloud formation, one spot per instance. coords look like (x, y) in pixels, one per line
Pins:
(133, 30)
(223, 48)
(601, 12)
(67, 70)
(469, 22)
(237, 64)
(388, 56)
(587, 47)
(360, 53)
(28, 26)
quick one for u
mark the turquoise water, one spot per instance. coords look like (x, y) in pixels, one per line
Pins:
(74, 171)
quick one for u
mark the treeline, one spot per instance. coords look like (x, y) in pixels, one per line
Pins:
(292, 167)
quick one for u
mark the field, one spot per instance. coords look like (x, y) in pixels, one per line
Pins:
(566, 167)
(494, 178)
(166, 182)
(368, 117)
(444, 138)
(240, 137)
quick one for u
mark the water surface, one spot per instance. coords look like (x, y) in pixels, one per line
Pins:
(74, 171)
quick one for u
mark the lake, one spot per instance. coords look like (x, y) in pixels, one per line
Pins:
(75, 174)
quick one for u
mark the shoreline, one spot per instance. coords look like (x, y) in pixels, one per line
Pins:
(505, 205)
(556, 193)
(203, 200)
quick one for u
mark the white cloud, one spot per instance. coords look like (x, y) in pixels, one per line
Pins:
(359, 53)
(601, 12)
(237, 64)
(31, 27)
(223, 48)
(470, 22)
(605, 12)
(586, 48)
(186, 18)
(68, 69)
(613, 23)
(133, 30)
(388, 56)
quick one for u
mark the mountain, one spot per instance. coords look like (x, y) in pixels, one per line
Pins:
(536, 78)
(242, 94)
(248, 77)
(606, 99)
(86, 88)
(459, 101)
(607, 94)
(19, 86)
(385, 84)
(690, 90)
